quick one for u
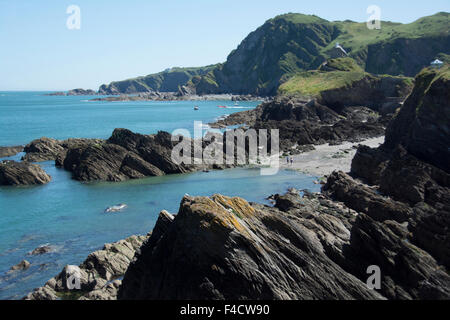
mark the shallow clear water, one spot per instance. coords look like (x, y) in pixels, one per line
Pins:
(69, 215)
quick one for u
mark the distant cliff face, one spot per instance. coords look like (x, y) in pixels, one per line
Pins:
(281, 46)
(423, 124)
(166, 81)
(288, 44)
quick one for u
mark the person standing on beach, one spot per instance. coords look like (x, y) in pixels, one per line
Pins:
(292, 161)
(287, 160)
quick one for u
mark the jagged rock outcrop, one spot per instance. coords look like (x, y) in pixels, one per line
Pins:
(225, 248)
(385, 232)
(127, 155)
(423, 124)
(21, 266)
(96, 276)
(43, 149)
(406, 230)
(304, 123)
(46, 149)
(22, 173)
(42, 250)
(10, 151)
(303, 248)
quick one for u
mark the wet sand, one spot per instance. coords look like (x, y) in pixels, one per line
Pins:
(326, 159)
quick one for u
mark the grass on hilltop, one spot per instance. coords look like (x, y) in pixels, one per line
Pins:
(312, 83)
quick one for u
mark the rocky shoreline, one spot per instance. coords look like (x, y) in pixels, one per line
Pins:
(99, 275)
(175, 96)
(10, 151)
(391, 211)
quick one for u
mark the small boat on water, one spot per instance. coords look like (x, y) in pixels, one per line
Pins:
(196, 108)
(116, 208)
(224, 107)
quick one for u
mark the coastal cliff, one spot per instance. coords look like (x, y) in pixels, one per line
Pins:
(293, 43)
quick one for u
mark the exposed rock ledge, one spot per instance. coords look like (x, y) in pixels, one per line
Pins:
(305, 123)
(14, 173)
(302, 248)
(125, 155)
(10, 151)
(178, 96)
(98, 274)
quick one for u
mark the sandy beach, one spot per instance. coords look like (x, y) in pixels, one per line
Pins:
(326, 159)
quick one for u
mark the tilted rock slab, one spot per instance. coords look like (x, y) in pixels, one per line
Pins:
(97, 274)
(14, 173)
(225, 248)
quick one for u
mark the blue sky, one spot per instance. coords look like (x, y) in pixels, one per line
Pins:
(122, 39)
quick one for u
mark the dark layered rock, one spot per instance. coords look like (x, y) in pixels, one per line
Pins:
(225, 248)
(22, 173)
(363, 199)
(305, 123)
(372, 91)
(420, 185)
(423, 124)
(305, 247)
(81, 92)
(47, 149)
(408, 271)
(414, 250)
(10, 151)
(97, 274)
(43, 149)
(21, 266)
(125, 155)
(41, 250)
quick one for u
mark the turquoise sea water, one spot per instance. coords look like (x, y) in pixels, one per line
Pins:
(69, 215)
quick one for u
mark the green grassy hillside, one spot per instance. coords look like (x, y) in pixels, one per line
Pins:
(292, 43)
(166, 81)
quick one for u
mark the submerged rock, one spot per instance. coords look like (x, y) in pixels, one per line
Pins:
(21, 266)
(10, 151)
(42, 250)
(22, 173)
